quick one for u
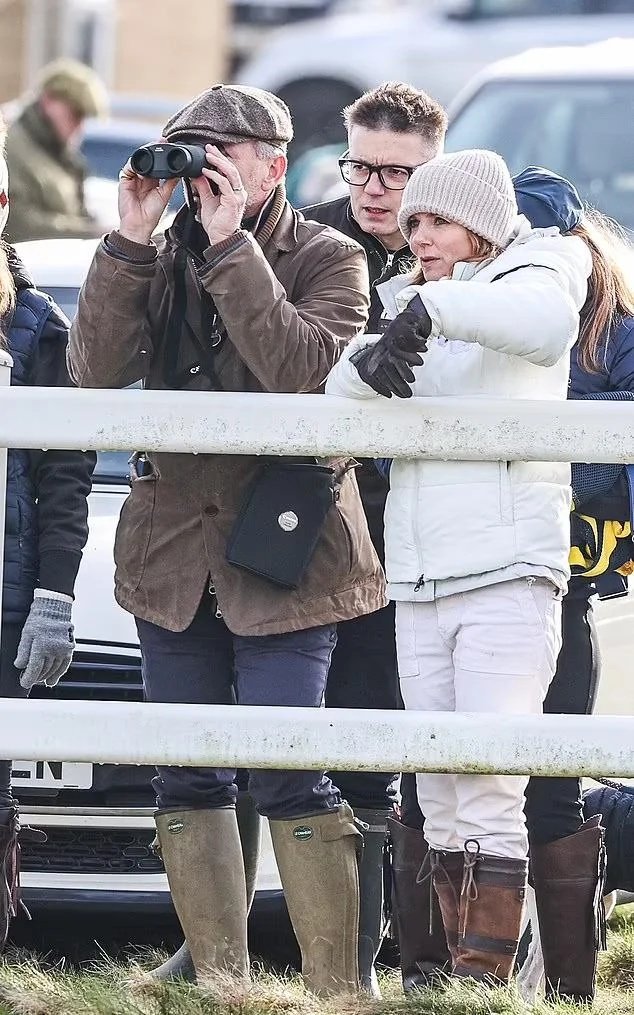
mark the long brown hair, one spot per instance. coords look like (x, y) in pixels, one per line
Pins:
(7, 292)
(7, 286)
(610, 287)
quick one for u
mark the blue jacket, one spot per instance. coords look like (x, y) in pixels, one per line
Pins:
(618, 372)
(550, 200)
(47, 514)
(547, 200)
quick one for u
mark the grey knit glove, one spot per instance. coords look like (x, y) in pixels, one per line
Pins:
(48, 642)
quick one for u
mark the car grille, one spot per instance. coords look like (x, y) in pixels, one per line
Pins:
(96, 677)
(93, 851)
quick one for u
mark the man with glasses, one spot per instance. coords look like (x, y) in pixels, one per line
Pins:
(391, 130)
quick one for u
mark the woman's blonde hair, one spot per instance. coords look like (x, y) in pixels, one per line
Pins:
(481, 250)
(610, 287)
(7, 286)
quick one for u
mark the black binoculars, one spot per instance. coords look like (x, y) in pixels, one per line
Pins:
(165, 161)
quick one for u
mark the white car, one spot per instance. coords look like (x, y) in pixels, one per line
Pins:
(570, 109)
(99, 818)
(318, 67)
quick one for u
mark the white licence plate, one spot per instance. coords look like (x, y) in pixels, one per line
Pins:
(52, 774)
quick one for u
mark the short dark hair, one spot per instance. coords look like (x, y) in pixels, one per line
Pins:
(398, 107)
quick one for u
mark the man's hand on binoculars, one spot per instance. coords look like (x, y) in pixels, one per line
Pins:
(142, 201)
(221, 214)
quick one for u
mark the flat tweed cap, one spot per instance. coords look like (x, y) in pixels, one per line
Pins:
(230, 113)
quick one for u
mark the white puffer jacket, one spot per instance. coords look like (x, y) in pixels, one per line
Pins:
(509, 339)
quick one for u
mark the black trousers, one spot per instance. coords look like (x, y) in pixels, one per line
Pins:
(554, 806)
(9, 688)
(363, 674)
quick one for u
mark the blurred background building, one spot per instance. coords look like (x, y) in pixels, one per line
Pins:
(157, 48)
(135, 45)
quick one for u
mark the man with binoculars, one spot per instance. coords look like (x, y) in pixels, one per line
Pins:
(240, 294)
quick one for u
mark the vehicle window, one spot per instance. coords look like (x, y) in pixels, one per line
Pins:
(579, 129)
(112, 467)
(544, 8)
(106, 157)
(66, 298)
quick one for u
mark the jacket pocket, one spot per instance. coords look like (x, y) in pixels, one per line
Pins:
(134, 532)
(349, 525)
(506, 493)
(406, 654)
(348, 542)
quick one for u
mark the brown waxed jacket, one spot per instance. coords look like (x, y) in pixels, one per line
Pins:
(289, 299)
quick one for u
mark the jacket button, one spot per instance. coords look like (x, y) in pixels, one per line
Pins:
(211, 509)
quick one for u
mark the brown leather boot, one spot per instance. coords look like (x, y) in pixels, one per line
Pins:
(447, 877)
(568, 877)
(9, 870)
(491, 908)
(11, 833)
(415, 909)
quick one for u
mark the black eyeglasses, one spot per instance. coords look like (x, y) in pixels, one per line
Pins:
(359, 173)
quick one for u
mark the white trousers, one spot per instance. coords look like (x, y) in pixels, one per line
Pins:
(488, 650)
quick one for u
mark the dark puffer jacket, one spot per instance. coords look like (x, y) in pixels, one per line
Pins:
(382, 265)
(47, 513)
(615, 804)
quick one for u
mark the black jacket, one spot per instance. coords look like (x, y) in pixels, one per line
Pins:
(382, 265)
(47, 491)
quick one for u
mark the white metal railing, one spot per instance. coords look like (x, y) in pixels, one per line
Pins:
(244, 424)
(236, 423)
(252, 736)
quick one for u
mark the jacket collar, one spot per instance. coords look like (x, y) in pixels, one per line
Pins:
(280, 224)
(277, 224)
(464, 270)
(367, 240)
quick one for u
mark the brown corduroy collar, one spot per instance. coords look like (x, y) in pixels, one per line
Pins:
(280, 224)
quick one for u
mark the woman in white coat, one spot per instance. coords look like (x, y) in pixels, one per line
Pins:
(476, 552)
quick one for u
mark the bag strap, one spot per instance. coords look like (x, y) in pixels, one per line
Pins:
(177, 325)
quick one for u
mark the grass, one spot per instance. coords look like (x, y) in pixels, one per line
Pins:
(31, 986)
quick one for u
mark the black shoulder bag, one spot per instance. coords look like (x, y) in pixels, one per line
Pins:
(277, 528)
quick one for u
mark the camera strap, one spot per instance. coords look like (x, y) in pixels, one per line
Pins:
(177, 326)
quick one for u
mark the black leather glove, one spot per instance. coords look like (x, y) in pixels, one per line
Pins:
(387, 366)
(410, 329)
